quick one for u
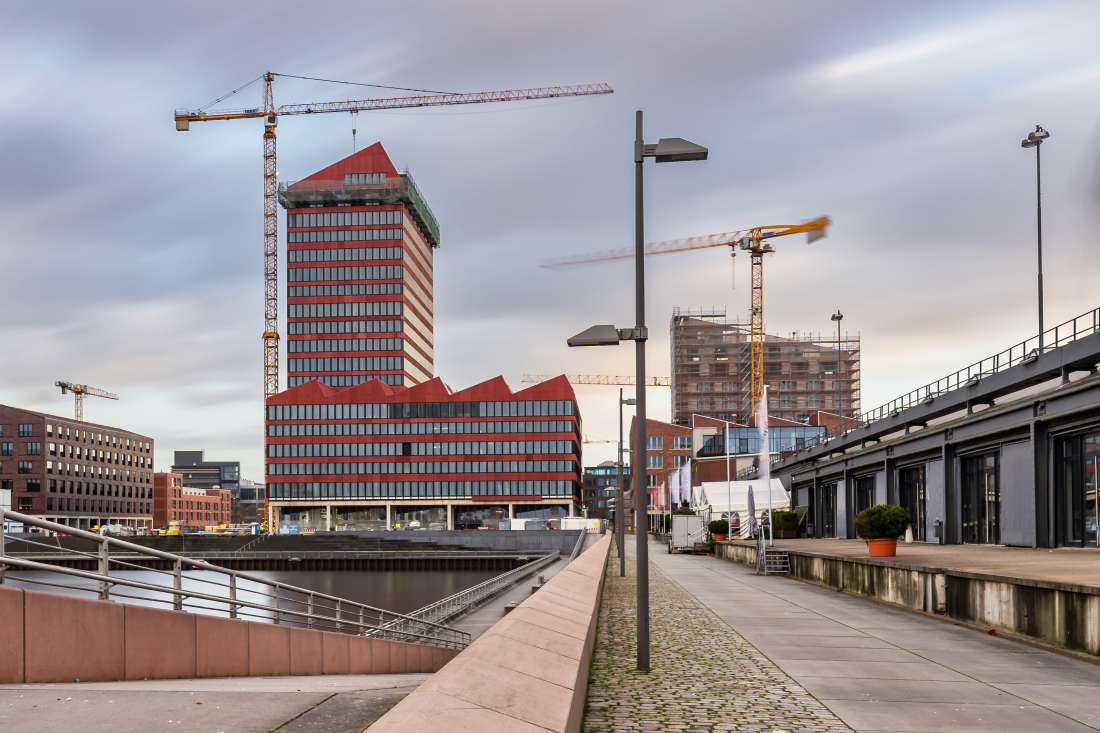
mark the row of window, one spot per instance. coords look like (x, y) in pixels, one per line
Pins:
(424, 428)
(98, 456)
(326, 345)
(413, 410)
(335, 310)
(93, 488)
(417, 489)
(347, 364)
(421, 467)
(658, 461)
(657, 442)
(344, 219)
(26, 430)
(298, 328)
(350, 380)
(109, 474)
(109, 507)
(317, 291)
(113, 441)
(29, 449)
(340, 255)
(456, 448)
(325, 274)
(359, 179)
(345, 235)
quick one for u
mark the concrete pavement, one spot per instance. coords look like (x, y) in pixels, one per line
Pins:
(880, 669)
(318, 704)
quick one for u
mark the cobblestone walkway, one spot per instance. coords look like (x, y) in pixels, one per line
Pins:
(704, 676)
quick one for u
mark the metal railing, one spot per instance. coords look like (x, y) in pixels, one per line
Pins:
(1026, 351)
(304, 554)
(464, 601)
(578, 546)
(217, 591)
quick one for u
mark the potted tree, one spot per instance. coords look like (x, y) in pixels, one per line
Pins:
(719, 528)
(880, 526)
(786, 524)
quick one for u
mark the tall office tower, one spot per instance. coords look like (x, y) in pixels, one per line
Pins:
(360, 242)
(811, 378)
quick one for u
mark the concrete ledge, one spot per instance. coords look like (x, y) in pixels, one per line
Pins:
(1066, 615)
(48, 637)
(528, 673)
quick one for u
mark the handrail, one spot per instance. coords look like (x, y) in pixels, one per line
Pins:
(316, 554)
(288, 603)
(579, 544)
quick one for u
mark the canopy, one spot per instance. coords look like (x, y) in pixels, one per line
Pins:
(715, 497)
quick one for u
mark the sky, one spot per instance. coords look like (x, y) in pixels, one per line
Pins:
(132, 253)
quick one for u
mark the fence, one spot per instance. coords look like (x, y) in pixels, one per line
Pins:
(216, 591)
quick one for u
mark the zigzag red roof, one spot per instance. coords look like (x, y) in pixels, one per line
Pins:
(374, 391)
(368, 160)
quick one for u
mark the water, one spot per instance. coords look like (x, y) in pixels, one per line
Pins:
(401, 591)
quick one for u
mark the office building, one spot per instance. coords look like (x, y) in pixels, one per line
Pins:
(374, 456)
(190, 509)
(805, 374)
(600, 490)
(200, 473)
(75, 473)
(360, 242)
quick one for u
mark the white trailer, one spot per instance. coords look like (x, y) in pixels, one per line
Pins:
(687, 529)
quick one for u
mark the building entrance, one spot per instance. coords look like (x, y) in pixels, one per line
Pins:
(1078, 475)
(911, 498)
(981, 499)
(827, 515)
(865, 493)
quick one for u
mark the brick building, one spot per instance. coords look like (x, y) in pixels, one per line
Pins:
(600, 487)
(668, 447)
(360, 242)
(200, 473)
(373, 456)
(75, 473)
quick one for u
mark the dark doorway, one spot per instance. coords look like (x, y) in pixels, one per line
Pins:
(1077, 479)
(911, 498)
(865, 493)
(827, 515)
(981, 499)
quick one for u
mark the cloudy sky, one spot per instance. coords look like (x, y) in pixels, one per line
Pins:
(132, 253)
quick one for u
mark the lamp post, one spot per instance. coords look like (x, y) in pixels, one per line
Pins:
(667, 150)
(838, 317)
(620, 499)
(1035, 140)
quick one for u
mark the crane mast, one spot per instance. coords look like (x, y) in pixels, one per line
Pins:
(79, 390)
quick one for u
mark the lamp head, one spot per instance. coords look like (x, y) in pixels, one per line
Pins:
(838, 316)
(675, 150)
(629, 401)
(606, 335)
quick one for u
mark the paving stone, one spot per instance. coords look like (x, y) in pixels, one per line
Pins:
(704, 676)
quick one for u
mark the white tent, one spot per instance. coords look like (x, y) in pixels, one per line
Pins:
(717, 497)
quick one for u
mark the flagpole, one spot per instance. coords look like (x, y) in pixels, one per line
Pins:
(765, 457)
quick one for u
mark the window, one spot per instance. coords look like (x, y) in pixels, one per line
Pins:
(785, 402)
(654, 442)
(681, 461)
(7, 449)
(34, 449)
(26, 467)
(34, 484)
(651, 481)
(813, 384)
(785, 386)
(26, 430)
(682, 442)
(6, 484)
(654, 461)
(813, 401)
(25, 504)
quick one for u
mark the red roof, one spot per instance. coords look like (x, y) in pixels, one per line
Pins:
(374, 391)
(367, 160)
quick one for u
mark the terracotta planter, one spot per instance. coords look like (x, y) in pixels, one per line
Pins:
(882, 548)
(718, 537)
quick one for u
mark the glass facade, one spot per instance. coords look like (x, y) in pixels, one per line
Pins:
(1077, 472)
(744, 441)
(981, 499)
(911, 497)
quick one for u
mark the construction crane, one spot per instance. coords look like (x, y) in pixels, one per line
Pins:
(755, 241)
(590, 439)
(600, 379)
(270, 114)
(79, 390)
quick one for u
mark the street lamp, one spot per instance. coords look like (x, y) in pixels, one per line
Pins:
(838, 317)
(1035, 140)
(667, 150)
(620, 504)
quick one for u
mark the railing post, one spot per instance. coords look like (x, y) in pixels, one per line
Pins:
(309, 610)
(361, 620)
(177, 584)
(3, 540)
(104, 571)
(276, 604)
(232, 595)
(339, 625)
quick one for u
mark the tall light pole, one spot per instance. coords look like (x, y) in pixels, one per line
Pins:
(838, 317)
(1035, 140)
(620, 508)
(667, 150)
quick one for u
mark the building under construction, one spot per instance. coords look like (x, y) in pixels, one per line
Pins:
(711, 370)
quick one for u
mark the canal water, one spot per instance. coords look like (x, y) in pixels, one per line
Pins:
(401, 591)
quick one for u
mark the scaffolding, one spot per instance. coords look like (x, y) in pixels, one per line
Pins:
(711, 355)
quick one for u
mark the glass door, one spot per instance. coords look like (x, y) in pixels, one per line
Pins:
(981, 500)
(911, 497)
(865, 492)
(1078, 469)
(828, 511)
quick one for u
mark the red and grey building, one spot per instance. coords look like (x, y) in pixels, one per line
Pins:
(375, 457)
(75, 473)
(360, 245)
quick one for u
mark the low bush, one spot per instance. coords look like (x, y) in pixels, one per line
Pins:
(719, 526)
(882, 522)
(784, 521)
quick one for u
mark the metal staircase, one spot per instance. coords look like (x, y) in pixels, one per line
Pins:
(770, 560)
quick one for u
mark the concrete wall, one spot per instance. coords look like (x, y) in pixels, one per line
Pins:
(1017, 495)
(529, 672)
(45, 637)
(1061, 614)
(536, 540)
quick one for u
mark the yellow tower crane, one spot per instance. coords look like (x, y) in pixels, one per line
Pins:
(79, 390)
(755, 241)
(269, 113)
